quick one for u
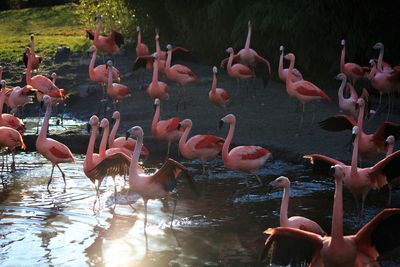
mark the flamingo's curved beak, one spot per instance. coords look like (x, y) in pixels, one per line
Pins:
(155, 107)
(112, 120)
(127, 135)
(221, 123)
(332, 171)
(353, 137)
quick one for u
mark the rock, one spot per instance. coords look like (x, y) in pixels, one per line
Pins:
(62, 54)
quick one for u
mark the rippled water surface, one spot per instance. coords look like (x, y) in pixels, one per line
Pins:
(222, 227)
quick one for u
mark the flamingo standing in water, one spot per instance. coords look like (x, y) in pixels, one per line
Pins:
(96, 167)
(353, 71)
(370, 145)
(283, 73)
(34, 59)
(289, 246)
(165, 130)
(205, 147)
(218, 96)
(157, 89)
(127, 145)
(359, 180)
(242, 158)
(116, 91)
(304, 91)
(180, 74)
(51, 149)
(8, 119)
(19, 97)
(250, 58)
(295, 221)
(106, 44)
(161, 184)
(10, 139)
(100, 72)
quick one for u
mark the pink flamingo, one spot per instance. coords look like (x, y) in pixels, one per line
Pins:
(205, 147)
(218, 96)
(295, 221)
(375, 238)
(352, 71)
(100, 72)
(19, 97)
(141, 48)
(165, 130)
(360, 180)
(370, 145)
(180, 74)
(296, 74)
(157, 89)
(116, 91)
(389, 144)
(250, 58)
(161, 184)
(96, 167)
(121, 142)
(304, 91)
(382, 65)
(106, 44)
(51, 149)
(242, 158)
(10, 139)
(8, 119)
(35, 59)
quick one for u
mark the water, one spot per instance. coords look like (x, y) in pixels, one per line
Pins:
(222, 227)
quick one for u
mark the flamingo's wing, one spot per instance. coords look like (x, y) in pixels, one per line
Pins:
(168, 173)
(225, 95)
(118, 38)
(210, 141)
(338, 123)
(308, 89)
(142, 61)
(60, 153)
(173, 124)
(253, 152)
(384, 130)
(382, 233)
(387, 168)
(322, 164)
(289, 246)
(90, 34)
(113, 165)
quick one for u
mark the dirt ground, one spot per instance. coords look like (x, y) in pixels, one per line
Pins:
(266, 117)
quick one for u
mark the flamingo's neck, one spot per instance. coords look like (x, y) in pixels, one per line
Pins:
(182, 142)
(342, 58)
(155, 72)
(280, 67)
(158, 48)
(380, 59)
(168, 62)
(230, 61)
(90, 149)
(155, 120)
(109, 80)
(283, 216)
(28, 71)
(91, 65)
(354, 157)
(98, 29)
(389, 150)
(228, 139)
(214, 83)
(337, 215)
(247, 44)
(341, 90)
(289, 81)
(139, 38)
(45, 125)
(2, 99)
(113, 133)
(103, 142)
(134, 162)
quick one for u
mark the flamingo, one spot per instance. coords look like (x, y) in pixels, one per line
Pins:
(382, 65)
(370, 145)
(8, 119)
(157, 89)
(378, 236)
(205, 147)
(11, 139)
(106, 44)
(141, 48)
(161, 184)
(352, 71)
(250, 58)
(116, 91)
(35, 59)
(165, 130)
(51, 149)
(19, 97)
(389, 144)
(180, 74)
(297, 222)
(96, 167)
(283, 73)
(121, 142)
(218, 96)
(242, 158)
(359, 180)
(304, 91)
(100, 72)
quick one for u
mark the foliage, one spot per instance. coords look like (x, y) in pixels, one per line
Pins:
(114, 13)
(18, 4)
(53, 27)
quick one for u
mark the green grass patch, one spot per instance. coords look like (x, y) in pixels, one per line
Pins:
(53, 27)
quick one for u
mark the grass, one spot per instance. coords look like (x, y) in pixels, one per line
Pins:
(53, 27)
